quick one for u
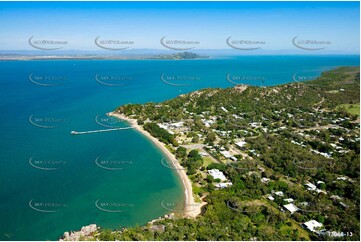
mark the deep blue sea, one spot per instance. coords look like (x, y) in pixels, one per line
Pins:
(52, 181)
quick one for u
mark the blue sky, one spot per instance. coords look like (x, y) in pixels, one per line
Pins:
(210, 23)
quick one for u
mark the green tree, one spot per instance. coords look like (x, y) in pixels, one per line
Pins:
(181, 152)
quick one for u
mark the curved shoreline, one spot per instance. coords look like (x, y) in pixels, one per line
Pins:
(191, 209)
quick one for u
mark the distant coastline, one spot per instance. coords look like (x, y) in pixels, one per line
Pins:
(176, 56)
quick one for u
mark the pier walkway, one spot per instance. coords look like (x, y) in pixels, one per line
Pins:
(99, 131)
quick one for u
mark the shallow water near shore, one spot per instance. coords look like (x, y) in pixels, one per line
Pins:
(52, 181)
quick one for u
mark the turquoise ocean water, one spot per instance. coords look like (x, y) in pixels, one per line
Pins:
(52, 181)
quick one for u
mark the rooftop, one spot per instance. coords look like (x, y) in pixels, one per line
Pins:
(312, 224)
(216, 174)
(291, 207)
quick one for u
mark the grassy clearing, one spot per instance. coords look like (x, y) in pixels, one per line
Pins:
(207, 161)
(350, 108)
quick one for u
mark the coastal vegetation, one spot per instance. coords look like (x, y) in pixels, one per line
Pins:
(160, 133)
(296, 144)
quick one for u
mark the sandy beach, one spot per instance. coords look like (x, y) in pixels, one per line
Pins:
(191, 209)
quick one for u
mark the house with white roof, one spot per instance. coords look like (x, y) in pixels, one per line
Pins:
(321, 191)
(233, 158)
(343, 178)
(310, 186)
(312, 225)
(217, 174)
(224, 184)
(303, 203)
(208, 123)
(255, 125)
(241, 144)
(336, 197)
(279, 193)
(176, 125)
(224, 109)
(291, 207)
(226, 154)
(289, 200)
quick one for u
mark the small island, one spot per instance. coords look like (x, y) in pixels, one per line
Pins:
(182, 56)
